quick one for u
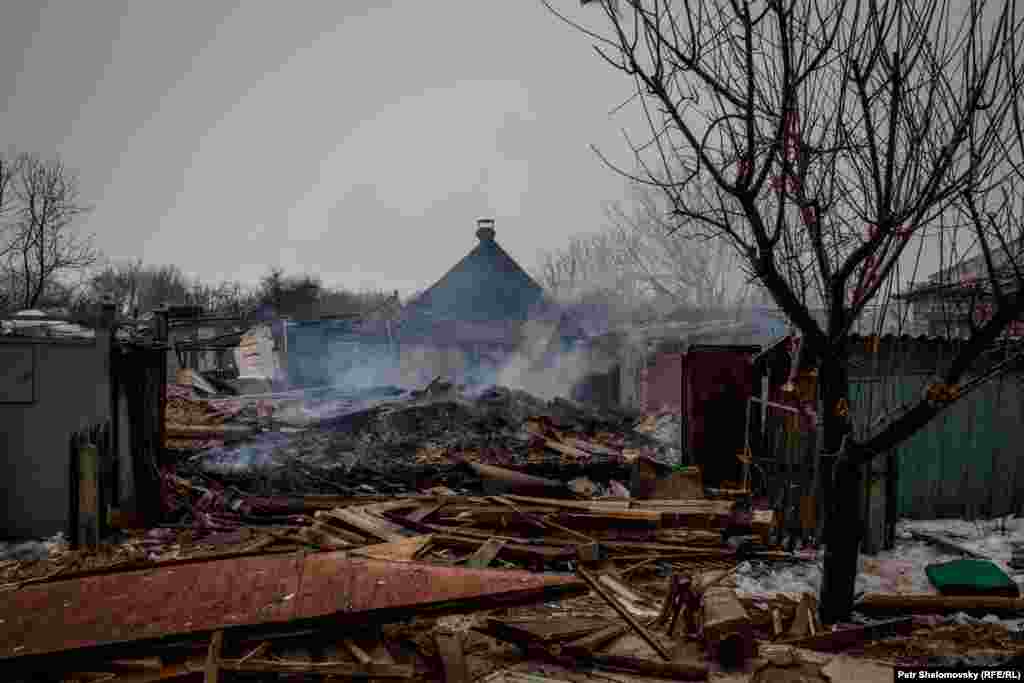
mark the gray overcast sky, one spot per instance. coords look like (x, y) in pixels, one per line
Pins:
(356, 140)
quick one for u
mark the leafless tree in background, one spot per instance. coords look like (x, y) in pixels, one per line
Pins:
(827, 141)
(673, 264)
(639, 264)
(42, 244)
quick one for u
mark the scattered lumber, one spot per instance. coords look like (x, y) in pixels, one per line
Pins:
(834, 641)
(575, 655)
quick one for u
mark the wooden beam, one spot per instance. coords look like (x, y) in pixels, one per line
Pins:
(874, 603)
(453, 657)
(485, 554)
(347, 669)
(624, 613)
(211, 673)
(364, 524)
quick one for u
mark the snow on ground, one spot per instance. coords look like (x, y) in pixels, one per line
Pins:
(984, 537)
(25, 551)
(901, 570)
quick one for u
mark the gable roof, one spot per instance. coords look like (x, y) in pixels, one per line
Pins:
(486, 285)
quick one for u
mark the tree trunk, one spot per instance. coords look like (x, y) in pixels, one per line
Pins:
(842, 492)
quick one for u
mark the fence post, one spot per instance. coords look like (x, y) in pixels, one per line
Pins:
(88, 495)
(72, 525)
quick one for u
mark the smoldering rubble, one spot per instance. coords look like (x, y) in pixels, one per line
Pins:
(412, 441)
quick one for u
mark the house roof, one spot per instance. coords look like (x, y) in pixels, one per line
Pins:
(486, 285)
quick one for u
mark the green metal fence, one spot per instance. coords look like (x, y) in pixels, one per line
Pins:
(967, 461)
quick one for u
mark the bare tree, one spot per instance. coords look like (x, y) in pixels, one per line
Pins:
(121, 282)
(827, 141)
(687, 269)
(43, 244)
(8, 172)
(640, 263)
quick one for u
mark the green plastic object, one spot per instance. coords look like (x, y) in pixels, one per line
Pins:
(971, 577)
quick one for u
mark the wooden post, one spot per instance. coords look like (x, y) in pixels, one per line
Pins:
(211, 672)
(725, 626)
(88, 495)
(72, 529)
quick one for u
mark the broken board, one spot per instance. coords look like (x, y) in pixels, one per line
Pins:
(99, 613)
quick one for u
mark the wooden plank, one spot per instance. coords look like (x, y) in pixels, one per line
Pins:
(834, 641)
(346, 669)
(624, 613)
(365, 524)
(502, 480)
(390, 506)
(623, 591)
(453, 657)
(595, 641)
(405, 550)
(611, 518)
(88, 532)
(484, 555)
(875, 603)
(358, 653)
(322, 536)
(726, 626)
(424, 511)
(344, 534)
(672, 670)
(553, 630)
(566, 449)
(109, 612)
(589, 506)
(802, 623)
(211, 673)
(511, 551)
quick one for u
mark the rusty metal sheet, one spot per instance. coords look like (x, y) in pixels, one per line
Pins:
(198, 598)
(370, 586)
(122, 607)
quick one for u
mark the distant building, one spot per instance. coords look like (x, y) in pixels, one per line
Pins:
(468, 323)
(944, 304)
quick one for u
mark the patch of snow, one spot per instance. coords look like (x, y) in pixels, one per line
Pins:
(29, 551)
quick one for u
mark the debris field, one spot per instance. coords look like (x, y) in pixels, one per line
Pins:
(446, 536)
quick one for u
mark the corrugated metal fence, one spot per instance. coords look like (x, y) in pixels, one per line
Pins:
(966, 462)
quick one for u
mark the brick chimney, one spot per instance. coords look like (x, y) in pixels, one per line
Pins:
(485, 229)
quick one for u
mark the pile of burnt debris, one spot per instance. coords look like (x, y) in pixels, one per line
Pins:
(439, 436)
